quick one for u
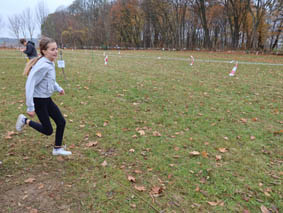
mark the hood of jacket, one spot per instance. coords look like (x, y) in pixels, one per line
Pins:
(31, 42)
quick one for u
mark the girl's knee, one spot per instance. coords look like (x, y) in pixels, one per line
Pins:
(48, 131)
(62, 123)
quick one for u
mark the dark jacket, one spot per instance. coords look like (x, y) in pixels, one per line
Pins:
(30, 50)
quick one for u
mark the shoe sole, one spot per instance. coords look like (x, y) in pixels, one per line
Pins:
(61, 154)
(20, 117)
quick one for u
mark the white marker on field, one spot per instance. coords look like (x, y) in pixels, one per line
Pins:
(106, 60)
(193, 60)
(232, 73)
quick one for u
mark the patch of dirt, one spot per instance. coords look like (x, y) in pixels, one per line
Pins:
(36, 193)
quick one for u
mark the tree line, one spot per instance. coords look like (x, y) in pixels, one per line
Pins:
(178, 24)
(25, 23)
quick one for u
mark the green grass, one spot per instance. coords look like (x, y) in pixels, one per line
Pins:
(194, 108)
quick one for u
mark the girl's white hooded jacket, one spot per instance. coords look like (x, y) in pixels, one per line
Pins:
(41, 82)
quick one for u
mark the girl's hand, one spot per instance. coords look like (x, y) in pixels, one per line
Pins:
(31, 114)
(62, 92)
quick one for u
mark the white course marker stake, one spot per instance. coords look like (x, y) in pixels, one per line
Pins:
(106, 60)
(193, 60)
(232, 73)
(61, 63)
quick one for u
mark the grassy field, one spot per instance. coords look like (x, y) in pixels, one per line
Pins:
(148, 134)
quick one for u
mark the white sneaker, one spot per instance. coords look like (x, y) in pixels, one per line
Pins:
(61, 151)
(20, 122)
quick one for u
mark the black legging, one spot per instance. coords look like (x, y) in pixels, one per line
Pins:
(45, 107)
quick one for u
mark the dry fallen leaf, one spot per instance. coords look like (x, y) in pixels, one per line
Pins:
(222, 150)
(133, 206)
(156, 190)
(140, 188)
(244, 120)
(252, 137)
(204, 154)
(72, 146)
(9, 135)
(264, 209)
(218, 157)
(92, 143)
(131, 150)
(29, 180)
(41, 186)
(104, 164)
(194, 153)
(155, 133)
(98, 134)
(141, 132)
(60, 158)
(278, 132)
(176, 148)
(213, 203)
(138, 171)
(131, 179)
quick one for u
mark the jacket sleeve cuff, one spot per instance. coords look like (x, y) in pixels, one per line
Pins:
(30, 109)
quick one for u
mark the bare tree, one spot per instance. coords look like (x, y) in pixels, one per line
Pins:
(23, 24)
(202, 9)
(28, 18)
(41, 11)
(258, 9)
(14, 25)
(1, 23)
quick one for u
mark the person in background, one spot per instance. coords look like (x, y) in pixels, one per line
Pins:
(40, 85)
(30, 50)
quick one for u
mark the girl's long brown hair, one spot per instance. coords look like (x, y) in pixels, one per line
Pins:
(43, 45)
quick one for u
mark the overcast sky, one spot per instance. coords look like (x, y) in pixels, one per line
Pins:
(12, 7)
